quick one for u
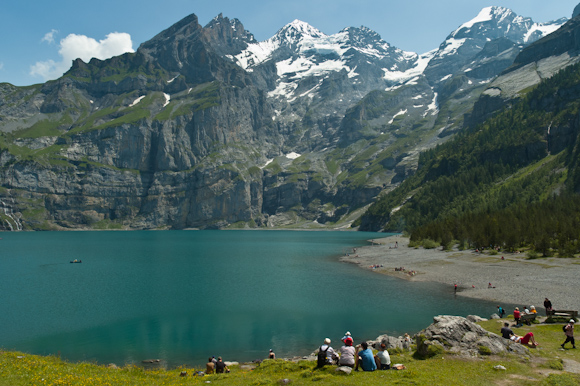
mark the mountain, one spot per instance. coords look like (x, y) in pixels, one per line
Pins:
(523, 151)
(533, 64)
(463, 45)
(205, 127)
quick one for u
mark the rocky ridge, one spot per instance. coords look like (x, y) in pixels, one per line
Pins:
(205, 127)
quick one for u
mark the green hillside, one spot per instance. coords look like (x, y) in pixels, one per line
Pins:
(500, 170)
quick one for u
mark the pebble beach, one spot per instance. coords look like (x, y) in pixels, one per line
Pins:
(515, 279)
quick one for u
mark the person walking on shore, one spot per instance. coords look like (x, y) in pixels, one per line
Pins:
(500, 311)
(569, 331)
(547, 305)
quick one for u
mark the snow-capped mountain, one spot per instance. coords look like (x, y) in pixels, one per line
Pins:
(305, 70)
(469, 39)
(301, 51)
(206, 127)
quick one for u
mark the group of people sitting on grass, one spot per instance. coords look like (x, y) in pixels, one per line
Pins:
(216, 365)
(362, 357)
(528, 339)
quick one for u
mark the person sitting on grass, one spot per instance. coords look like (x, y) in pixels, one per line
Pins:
(526, 339)
(347, 353)
(382, 359)
(506, 331)
(209, 366)
(326, 354)
(220, 366)
(364, 358)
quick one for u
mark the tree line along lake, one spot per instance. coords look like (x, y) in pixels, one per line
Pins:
(181, 296)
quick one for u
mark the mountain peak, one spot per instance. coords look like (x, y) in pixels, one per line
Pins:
(298, 29)
(486, 14)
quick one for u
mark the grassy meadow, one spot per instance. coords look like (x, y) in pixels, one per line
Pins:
(544, 367)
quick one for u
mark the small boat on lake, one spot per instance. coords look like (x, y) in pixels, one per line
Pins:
(76, 261)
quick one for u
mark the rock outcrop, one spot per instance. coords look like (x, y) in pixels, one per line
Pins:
(391, 342)
(460, 336)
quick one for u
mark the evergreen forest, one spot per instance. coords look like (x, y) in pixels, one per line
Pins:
(510, 182)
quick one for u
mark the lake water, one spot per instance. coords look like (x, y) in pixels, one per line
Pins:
(182, 296)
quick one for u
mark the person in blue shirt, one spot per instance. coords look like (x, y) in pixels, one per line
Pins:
(365, 358)
(500, 311)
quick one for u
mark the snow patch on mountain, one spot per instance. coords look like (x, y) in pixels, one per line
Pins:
(303, 67)
(292, 155)
(402, 112)
(413, 72)
(544, 29)
(433, 107)
(256, 53)
(484, 15)
(450, 46)
(137, 101)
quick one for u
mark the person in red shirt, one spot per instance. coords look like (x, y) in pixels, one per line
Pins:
(517, 316)
(525, 340)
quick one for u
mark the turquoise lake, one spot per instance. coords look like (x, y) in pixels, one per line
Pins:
(182, 296)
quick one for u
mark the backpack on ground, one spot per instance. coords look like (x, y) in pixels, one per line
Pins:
(322, 356)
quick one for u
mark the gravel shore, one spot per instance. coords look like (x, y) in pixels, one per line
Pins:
(515, 279)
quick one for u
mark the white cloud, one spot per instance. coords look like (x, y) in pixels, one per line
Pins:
(1, 65)
(49, 37)
(83, 47)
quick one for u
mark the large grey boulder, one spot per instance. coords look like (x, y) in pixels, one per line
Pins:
(475, 318)
(390, 341)
(458, 335)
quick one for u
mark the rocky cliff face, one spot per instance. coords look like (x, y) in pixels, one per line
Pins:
(205, 127)
(533, 64)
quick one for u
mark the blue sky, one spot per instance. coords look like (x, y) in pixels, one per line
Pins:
(40, 39)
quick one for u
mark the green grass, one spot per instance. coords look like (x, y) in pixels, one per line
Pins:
(45, 128)
(544, 368)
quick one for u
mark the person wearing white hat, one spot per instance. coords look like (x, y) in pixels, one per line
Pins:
(326, 354)
(569, 331)
(346, 335)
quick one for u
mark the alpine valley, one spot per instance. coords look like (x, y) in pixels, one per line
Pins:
(205, 127)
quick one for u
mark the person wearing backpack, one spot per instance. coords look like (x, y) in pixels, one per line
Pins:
(569, 331)
(326, 354)
(500, 311)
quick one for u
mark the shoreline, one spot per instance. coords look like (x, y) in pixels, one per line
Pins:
(515, 280)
